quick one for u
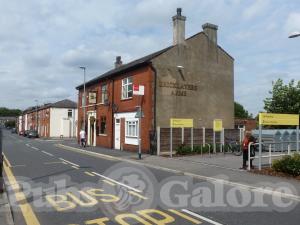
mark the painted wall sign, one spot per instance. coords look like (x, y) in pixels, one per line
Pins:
(177, 123)
(278, 119)
(218, 125)
(179, 89)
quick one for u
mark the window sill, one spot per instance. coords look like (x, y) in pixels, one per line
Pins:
(103, 135)
(126, 99)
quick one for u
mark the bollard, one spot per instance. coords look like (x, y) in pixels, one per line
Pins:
(249, 156)
(270, 155)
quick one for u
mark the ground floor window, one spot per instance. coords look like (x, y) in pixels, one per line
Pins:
(102, 125)
(131, 128)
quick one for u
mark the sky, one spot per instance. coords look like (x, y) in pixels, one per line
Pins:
(43, 42)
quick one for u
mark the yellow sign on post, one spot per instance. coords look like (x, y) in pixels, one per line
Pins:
(278, 119)
(218, 125)
(177, 123)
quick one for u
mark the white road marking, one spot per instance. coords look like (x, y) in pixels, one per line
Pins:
(114, 181)
(200, 217)
(35, 148)
(47, 153)
(74, 164)
(28, 145)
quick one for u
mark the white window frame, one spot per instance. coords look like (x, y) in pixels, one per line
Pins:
(126, 83)
(104, 95)
(131, 128)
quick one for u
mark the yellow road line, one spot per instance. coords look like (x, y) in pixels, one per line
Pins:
(137, 195)
(90, 174)
(29, 215)
(108, 182)
(7, 162)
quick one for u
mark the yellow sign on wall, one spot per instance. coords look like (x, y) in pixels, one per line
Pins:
(176, 122)
(278, 119)
(218, 125)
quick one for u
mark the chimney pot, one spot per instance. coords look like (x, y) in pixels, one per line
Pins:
(118, 62)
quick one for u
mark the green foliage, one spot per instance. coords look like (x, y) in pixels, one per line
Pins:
(288, 164)
(240, 111)
(9, 112)
(184, 150)
(284, 98)
(10, 124)
(187, 150)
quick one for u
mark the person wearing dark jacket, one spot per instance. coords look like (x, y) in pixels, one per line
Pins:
(245, 145)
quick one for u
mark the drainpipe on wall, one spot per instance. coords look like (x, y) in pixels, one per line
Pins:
(112, 115)
(154, 102)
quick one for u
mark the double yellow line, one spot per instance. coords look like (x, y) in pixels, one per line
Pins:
(29, 215)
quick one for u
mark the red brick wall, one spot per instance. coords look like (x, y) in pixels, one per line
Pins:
(142, 76)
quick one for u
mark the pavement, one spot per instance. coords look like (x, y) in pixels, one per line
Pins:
(5, 211)
(224, 167)
(57, 182)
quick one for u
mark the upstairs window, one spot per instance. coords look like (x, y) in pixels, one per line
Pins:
(127, 88)
(104, 95)
(70, 113)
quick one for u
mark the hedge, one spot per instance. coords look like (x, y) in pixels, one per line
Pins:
(288, 164)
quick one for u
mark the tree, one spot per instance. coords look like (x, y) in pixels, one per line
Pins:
(284, 98)
(240, 111)
(9, 112)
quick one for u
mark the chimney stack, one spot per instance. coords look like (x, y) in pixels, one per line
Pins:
(211, 31)
(178, 28)
(118, 62)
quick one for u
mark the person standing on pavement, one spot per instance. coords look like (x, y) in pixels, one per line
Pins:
(82, 138)
(245, 145)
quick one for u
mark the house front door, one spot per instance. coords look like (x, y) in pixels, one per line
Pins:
(117, 133)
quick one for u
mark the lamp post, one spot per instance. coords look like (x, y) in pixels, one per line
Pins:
(36, 116)
(84, 97)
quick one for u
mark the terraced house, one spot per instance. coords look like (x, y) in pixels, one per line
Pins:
(192, 78)
(57, 119)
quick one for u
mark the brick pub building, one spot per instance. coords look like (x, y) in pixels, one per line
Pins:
(193, 78)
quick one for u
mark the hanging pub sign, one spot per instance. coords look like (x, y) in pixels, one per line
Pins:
(138, 89)
(92, 97)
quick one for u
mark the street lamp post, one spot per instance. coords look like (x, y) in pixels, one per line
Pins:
(36, 116)
(84, 97)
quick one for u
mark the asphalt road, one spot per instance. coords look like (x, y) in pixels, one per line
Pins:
(51, 185)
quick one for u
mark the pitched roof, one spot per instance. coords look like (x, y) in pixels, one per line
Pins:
(126, 67)
(66, 103)
(139, 62)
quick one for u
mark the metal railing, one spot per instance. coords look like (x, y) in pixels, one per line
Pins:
(270, 154)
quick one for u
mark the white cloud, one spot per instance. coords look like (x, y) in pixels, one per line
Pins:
(293, 22)
(255, 9)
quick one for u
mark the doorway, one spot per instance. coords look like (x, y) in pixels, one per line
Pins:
(91, 129)
(117, 133)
